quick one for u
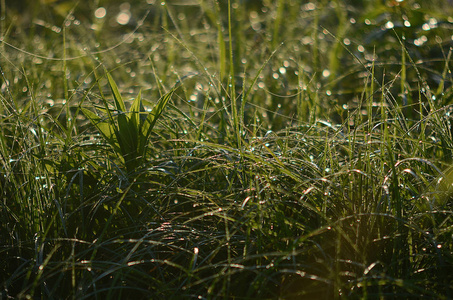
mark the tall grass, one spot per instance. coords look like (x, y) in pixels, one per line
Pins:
(305, 155)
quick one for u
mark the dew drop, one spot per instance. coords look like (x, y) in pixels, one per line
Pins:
(100, 13)
(123, 17)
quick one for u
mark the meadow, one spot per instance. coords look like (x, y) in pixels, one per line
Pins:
(236, 149)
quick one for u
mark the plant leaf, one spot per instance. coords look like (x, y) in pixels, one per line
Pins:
(106, 129)
(127, 132)
(135, 111)
(151, 119)
(126, 135)
(119, 103)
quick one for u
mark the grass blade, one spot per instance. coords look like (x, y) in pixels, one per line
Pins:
(151, 119)
(105, 128)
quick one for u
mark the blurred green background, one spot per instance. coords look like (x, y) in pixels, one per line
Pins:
(324, 47)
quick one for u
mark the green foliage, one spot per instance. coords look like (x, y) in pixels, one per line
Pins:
(128, 136)
(305, 155)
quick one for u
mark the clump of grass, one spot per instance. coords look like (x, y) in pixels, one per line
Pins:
(272, 173)
(129, 135)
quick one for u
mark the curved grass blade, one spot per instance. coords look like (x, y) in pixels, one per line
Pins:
(127, 134)
(148, 124)
(119, 103)
(105, 128)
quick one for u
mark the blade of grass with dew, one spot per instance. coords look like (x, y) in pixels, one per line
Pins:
(127, 134)
(107, 129)
(148, 124)
(232, 82)
(276, 37)
(446, 71)
(215, 17)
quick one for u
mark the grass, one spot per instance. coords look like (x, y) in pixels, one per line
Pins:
(305, 153)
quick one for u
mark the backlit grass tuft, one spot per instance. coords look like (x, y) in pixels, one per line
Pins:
(306, 153)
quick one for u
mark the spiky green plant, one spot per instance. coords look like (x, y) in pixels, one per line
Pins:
(349, 196)
(128, 135)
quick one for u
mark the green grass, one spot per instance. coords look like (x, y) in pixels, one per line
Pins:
(226, 150)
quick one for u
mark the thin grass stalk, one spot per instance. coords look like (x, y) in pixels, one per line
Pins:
(221, 45)
(302, 104)
(65, 82)
(422, 123)
(215, 17)
(315, 47)
(370, 204)
(280, 15)
(232, 83)
(440, 88)
(338, 47)
(2, 20)
(12, 105)
(407, 107)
